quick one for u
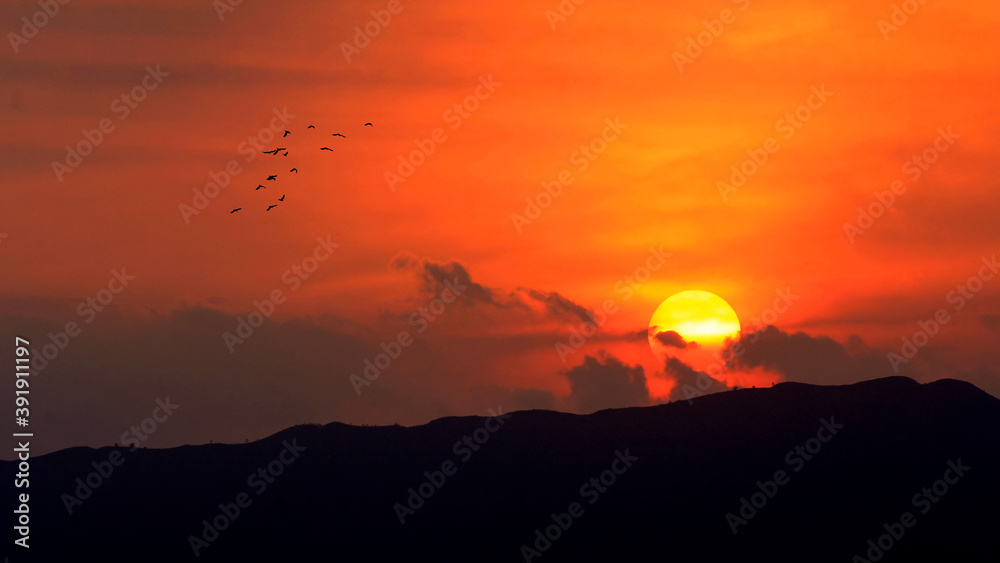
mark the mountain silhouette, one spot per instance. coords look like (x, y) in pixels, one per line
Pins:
(674, 477)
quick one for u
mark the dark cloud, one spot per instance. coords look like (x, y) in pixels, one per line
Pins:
(291, 370)
(437, 277)
(813, 359)
(556, 304)
(287, 372)
(673, 339)
(404, 261)
(989, 321)
(112, 371)
(823, 361)
(635, 336)
(690, 382)
(606, 383)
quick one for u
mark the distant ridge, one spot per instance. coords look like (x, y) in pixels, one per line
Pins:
(335, 501)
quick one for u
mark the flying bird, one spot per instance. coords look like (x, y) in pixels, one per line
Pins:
(270, 207)
(282, 198)
(311, 127)
(296, 170)
(326, 149)
(275, 151)
(259, 186)
(237, 209)
(286, 153)
(272, 177)
(338, 135)
(287, 133)
(369, 125)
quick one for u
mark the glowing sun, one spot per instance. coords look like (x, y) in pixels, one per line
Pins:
(697, 316)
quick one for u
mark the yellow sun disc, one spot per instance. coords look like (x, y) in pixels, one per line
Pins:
(697, 316)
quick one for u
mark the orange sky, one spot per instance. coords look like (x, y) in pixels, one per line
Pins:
(553, 90)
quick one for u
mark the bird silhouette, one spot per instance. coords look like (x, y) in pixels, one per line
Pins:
(338, 135)
(259, 186)
(235, 210)
(311, 127)
(286, 153)
(272, 177)
(282, 198)
(296, 170)
(270, 207)
(369, 125)
(326, 149)
(287, 133)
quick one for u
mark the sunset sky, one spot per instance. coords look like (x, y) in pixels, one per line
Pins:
(539, 93)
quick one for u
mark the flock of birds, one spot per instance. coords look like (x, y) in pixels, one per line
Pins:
(284, 152)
